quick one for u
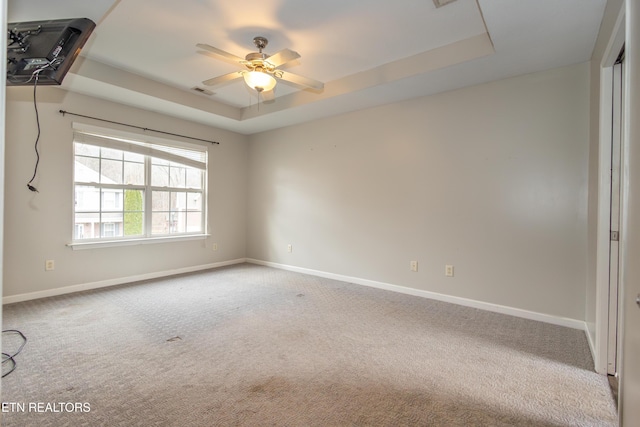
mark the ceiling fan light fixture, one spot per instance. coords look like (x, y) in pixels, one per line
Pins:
(259, 80)
(260, 71)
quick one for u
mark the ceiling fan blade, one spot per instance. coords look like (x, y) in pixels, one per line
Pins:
(223, 78)
(282, 57)
(300, 80)
(221, 53)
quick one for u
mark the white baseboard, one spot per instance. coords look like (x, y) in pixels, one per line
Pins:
(526, 314)
(592, 347)
(112, 282)
(599, 360)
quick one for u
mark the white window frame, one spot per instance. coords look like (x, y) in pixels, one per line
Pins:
(149, 146)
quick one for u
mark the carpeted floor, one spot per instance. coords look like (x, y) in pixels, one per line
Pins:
(249, 345)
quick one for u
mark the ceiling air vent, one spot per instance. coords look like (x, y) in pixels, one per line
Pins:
(440, 3)
(202, 91)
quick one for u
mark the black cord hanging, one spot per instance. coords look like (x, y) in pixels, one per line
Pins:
(53, 65)
(9, 358)
(35, 106)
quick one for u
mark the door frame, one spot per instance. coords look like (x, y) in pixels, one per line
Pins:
(616, 203)
(604, 195)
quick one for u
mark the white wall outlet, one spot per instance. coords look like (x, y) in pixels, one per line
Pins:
(49, 265)
(215, 247)
(289, 248)
(448, 270)
(414, 265)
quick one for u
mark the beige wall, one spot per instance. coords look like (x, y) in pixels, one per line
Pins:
(491, 178)
(39, 225)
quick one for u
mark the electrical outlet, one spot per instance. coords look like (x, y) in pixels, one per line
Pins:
(448, 270)
(215, 247)
(49, 265)
(414, 265)
(289, 248)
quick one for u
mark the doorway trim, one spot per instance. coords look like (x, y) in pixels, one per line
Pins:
(603, 236)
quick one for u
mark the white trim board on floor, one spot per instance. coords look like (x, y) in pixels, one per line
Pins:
(526, 314)
(113, 282)
(517, 312)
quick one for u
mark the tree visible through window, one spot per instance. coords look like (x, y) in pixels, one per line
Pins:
(126, 188)
(133, 210)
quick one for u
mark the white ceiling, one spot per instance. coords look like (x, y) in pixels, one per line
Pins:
(143, 52)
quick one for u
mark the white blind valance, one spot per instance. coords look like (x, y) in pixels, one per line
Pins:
(179, 152)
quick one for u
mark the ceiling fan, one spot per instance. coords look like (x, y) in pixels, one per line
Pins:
(261, 70)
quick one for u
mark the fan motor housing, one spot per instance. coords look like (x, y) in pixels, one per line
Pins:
(253, 56)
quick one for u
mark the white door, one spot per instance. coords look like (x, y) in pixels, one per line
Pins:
(614, 248)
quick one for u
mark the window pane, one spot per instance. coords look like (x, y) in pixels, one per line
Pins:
(78, 231)
(134, 201)
(87, 169)
(111, 194)
(85, 225)
(109, 153)
(133, 157)
(133, 223)
(133, 173)
(159, 175)
(111, 225)
(177, 222)
(134, 212)
(194, 178)
(160, 201)
(87, 150)
(115, 217)
(110, 229)
(160, 223)
(178, 201)
(160, 162)
(111, 172)
(194, 222)
(87, 198)
(178, 176)
(112, 200)
(194, 201)
(84, 217)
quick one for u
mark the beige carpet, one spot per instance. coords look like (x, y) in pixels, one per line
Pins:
(254, 346)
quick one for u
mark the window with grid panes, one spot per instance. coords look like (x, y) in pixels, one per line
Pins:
(128, 186)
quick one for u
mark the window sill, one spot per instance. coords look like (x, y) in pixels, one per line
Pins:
(132, 242)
